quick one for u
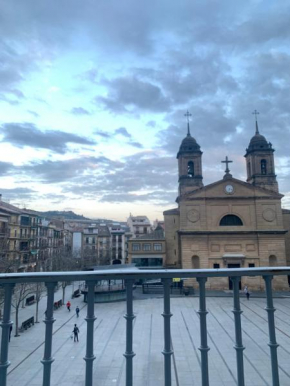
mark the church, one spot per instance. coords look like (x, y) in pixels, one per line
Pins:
(229, 223)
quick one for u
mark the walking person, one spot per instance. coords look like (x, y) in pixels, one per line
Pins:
(68, 305)
(76, 333)
(77, 311)
(247, 293)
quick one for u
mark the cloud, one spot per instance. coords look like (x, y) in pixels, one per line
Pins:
(18, 193)
(123, 131)
(78, 169)
(101, 179)
(34, 113)
(5, 167)
(136, 144)
(128, 94)
(102, 133)
(151, 124)
(150, 60)
(142, 172)
(157, 198)
(79, 111)
(27, 134)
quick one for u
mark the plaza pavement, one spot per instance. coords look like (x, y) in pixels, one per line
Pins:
(68, 369)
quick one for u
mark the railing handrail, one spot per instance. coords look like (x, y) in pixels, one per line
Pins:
(132, 273)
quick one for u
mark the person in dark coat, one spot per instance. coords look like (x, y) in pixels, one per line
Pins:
(76, 333)
(77, 311)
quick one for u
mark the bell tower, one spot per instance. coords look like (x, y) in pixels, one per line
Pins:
(260, 162)
(189, 163)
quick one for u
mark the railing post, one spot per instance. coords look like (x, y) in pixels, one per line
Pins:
(167, 352)
(90, 319)
(129, 354)
(5, 324)
(238, 331)
(272, 334)
(203, 331)
(49, 320)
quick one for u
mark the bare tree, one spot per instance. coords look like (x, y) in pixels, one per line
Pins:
(89, 257)
(21, 291)
(40, 292)
(65, 261)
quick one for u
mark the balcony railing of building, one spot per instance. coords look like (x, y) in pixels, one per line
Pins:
(8, 282)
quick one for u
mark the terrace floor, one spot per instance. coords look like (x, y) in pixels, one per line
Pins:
(68, 368)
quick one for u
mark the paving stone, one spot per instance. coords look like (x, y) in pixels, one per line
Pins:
(26, 351)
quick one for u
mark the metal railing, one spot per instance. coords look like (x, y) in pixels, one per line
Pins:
(8, 281)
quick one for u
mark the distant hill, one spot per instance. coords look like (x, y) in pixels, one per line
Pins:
(63, 214)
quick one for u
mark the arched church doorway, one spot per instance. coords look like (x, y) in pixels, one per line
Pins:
(117, 261)
(272, 261)
(195, 262)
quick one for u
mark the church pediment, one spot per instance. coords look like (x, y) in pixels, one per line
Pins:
(230, 188)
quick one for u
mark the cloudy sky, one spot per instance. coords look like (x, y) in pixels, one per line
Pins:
(93, 96)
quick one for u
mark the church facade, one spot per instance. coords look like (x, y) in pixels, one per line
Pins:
(229, 223)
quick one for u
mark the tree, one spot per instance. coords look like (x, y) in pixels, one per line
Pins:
(64, 261)
(40, 292)
(21, 291)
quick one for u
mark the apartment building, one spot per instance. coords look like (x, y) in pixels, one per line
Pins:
(139, 225)
(96, 245)
(120, 234)
(28, 241)
(148, 251)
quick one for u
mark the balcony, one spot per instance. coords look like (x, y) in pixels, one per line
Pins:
(24, 249)
(25, 236)
(183, 326)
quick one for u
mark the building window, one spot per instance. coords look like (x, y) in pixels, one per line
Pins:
(231, 220)
(216, 266)
(157, 247)
(145, 262)
(135, 247)
(24, 220)
(87, 240)
(249, 169)
(263, 166)
(251, 265)
(190, 169)
(146, 247)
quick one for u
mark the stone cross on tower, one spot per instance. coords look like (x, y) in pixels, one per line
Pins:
(256, 113)
(187, 115)
(227, 164)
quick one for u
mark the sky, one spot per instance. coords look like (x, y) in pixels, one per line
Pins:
(93, 96)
